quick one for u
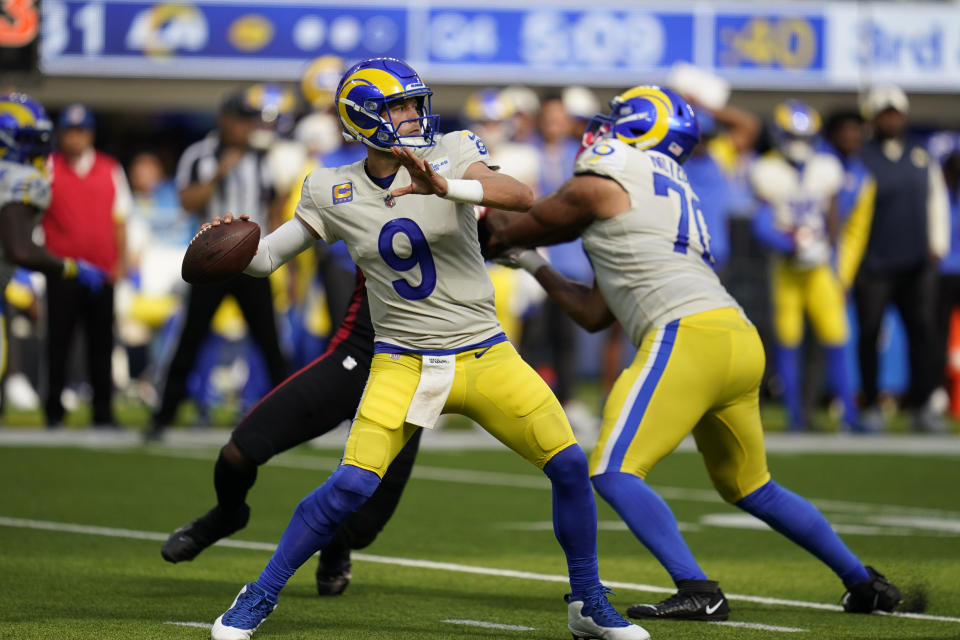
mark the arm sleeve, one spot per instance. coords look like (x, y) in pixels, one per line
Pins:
(767, 233)
(312, 215)
(855, 233)
(278, 247)
(122, 198)
(938, 213)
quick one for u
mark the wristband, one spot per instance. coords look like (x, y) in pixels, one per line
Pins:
(469, 191)
(69, 268)
(531, 261)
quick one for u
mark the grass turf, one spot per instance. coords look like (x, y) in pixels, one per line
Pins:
(72, 585)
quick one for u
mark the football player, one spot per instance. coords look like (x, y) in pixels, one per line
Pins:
(406, 213)
(699, 359)
(310, 403)
(25, 140)
(798, 220)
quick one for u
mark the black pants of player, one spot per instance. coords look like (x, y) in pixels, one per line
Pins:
(69, 303)
(256, 303)
(948, 297)
(308, 404)
(914, 294)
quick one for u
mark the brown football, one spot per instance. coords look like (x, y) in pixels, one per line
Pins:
(220, 252)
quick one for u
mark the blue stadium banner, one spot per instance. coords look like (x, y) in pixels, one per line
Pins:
(212, 39)
(809, 45)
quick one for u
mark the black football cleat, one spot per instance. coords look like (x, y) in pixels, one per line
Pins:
(873, 594)
(694, 600)
(188, 541)
(333, 571)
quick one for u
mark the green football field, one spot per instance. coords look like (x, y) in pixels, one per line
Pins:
(469, 554)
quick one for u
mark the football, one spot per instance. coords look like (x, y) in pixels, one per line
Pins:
(218, 253)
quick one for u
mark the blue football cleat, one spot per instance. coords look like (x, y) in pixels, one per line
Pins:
(591, 615)
(251, 607)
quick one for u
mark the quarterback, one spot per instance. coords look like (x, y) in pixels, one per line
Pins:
(25, 140)
(699, 359)
(406, 214)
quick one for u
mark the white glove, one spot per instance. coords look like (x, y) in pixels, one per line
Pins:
(812, 249)
(526, 259)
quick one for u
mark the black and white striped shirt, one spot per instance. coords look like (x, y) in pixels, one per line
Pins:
(248, 188)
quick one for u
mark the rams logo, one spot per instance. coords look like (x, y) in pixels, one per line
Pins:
(342, 192)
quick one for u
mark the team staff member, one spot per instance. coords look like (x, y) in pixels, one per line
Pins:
(910, 234)
(438, 344)
(221, 173)
(86, 220)
(699, 360)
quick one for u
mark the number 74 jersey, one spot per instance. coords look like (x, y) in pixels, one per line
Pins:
(652, 262)
(427, 283)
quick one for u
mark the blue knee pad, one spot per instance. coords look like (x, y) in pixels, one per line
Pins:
(342, 494)
(568, 467)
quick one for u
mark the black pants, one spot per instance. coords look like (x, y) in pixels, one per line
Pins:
(69, 302)
(256, 303)
(948, 298)
(914, 294)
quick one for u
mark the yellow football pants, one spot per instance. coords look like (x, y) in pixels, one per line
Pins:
(817, 292)
(701, 374)
(494, 387)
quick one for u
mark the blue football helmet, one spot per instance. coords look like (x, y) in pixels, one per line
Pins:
(362, 97)
(649, 118)
(26, 133)
(795, 125)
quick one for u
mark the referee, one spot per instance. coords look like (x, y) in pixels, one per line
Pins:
(226, 173)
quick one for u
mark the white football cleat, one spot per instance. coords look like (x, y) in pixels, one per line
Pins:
(592, 616)
(251, 607)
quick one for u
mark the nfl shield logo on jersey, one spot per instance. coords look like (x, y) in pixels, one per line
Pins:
(390, 201)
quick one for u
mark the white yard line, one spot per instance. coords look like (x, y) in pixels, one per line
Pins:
(490, 625)
(760, 627)
(198, 625)
(67, 527)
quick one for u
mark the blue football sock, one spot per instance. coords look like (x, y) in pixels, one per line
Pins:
(315, 520)
(575, 516)
(788, 368)
(840, 382)
(801, 522)
(650, 519)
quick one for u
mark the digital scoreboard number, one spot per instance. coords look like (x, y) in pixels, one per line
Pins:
(19, 32)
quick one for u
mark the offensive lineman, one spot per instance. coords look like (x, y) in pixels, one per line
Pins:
(25, 140)
(699, 359)
(438, 345)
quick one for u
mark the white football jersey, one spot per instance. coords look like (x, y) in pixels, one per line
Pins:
(652, 262)
(427, 282)
(800, 197)
(21, 184)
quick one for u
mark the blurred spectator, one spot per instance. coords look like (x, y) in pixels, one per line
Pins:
(158, 232)
(86, 220)
(797, 220)
(909, 235)
(581, 104)
(226, 173)
(526, 107)
(949, 285)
